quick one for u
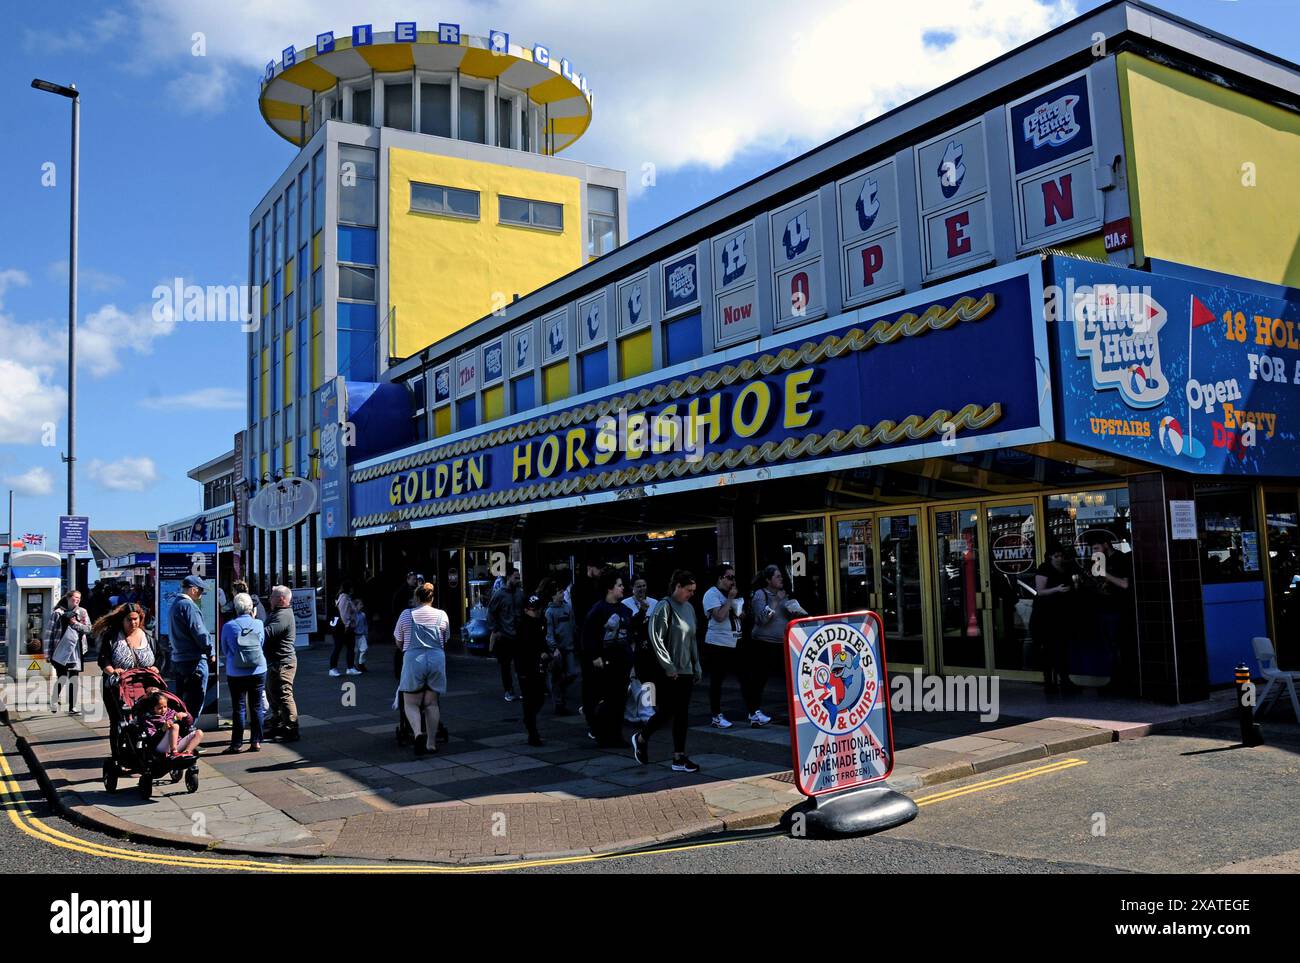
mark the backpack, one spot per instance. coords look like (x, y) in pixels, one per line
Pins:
(248, 652)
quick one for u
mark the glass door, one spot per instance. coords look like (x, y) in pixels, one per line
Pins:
(960, 580)
(1012, 541)
(879, 558)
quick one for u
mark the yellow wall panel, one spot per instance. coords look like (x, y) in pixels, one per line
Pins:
(442, 421)
(315, 446)
(634, 355)
(288, 277)
(443, 272)
(555, 382)
(286, 459)
(317, 350)
(315, 250)
(288, 372)
(494, 403)
(266, 383)
(1194, 149)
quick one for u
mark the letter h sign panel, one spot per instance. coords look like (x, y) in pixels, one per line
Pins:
(1053, 151)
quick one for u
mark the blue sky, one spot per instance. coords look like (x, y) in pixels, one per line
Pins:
(174, 156)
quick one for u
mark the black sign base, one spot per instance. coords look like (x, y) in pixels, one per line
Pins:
(855, 812)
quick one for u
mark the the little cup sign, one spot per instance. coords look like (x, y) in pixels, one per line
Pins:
(840, 728)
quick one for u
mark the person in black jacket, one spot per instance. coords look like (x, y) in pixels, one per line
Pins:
(532, 654)
(607, 659)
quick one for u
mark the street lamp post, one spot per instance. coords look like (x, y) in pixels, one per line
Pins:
(74, 95)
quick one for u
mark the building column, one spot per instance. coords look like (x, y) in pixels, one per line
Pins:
(1167, 577)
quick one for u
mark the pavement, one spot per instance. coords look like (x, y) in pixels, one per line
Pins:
(347, 789)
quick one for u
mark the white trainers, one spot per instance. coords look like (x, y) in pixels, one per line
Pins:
(721, 722)
(758, 718)
(335, 673)
(353, 672)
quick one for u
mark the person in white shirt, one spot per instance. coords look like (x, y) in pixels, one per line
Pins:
(722, 611)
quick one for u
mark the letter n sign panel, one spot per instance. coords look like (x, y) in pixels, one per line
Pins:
(1053, 150)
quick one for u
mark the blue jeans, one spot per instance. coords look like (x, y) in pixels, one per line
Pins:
(190, 682)
(246, 690)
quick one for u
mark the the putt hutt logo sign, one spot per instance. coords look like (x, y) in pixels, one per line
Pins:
(839, 706)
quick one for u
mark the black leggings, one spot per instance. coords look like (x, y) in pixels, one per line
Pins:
(64, 672)
(672, 701)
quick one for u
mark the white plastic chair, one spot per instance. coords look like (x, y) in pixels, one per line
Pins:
(1266, 657)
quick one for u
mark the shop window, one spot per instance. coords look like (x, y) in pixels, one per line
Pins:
(683, 339)
(357, 185)
(1071, 519)
(505, 126)
(798, 549)
(361, 104)
(357, 245)
(528, 213)
(1227, 535)
(1282, 518)
(602, 220)
(397, 106)
(435, 199)
(435, 109)
(594, 369)
(473, 114)
(356, 283)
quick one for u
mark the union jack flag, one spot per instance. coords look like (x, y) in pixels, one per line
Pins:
(34, 540)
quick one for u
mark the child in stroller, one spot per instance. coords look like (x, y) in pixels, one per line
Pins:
(156, 736)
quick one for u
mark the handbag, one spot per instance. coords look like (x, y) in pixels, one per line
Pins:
(248, 650)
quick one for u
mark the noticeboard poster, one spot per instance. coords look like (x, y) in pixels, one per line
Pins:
(304, 615)
(840, 728)
(177, 561)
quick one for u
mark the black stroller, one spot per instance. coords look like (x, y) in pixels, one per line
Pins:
(132, 754)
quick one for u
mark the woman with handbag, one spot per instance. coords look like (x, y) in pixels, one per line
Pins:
(66, 647)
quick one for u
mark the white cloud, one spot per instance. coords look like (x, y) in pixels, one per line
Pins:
(213, 399)
(103, 335)
(202, 89)
(29, 398)
(105, 29)
(34, 482)
(676, 82)
(125, 474)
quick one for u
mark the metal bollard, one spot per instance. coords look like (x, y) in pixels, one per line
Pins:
(1251, 734)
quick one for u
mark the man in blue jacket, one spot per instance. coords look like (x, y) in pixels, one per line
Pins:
(192, 655)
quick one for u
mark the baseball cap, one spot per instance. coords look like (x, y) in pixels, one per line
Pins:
(533, 602)
(193, 581)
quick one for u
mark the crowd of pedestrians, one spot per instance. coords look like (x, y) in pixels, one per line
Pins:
(618, 653)
(626, 656)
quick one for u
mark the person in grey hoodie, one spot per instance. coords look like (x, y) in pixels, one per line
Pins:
(280, 631)
(673, 642)
(193, 657)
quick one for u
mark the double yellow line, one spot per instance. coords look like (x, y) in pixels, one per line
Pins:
(23, 820)
(997, 782)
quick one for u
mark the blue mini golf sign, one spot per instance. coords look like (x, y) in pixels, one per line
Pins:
(840, 727)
